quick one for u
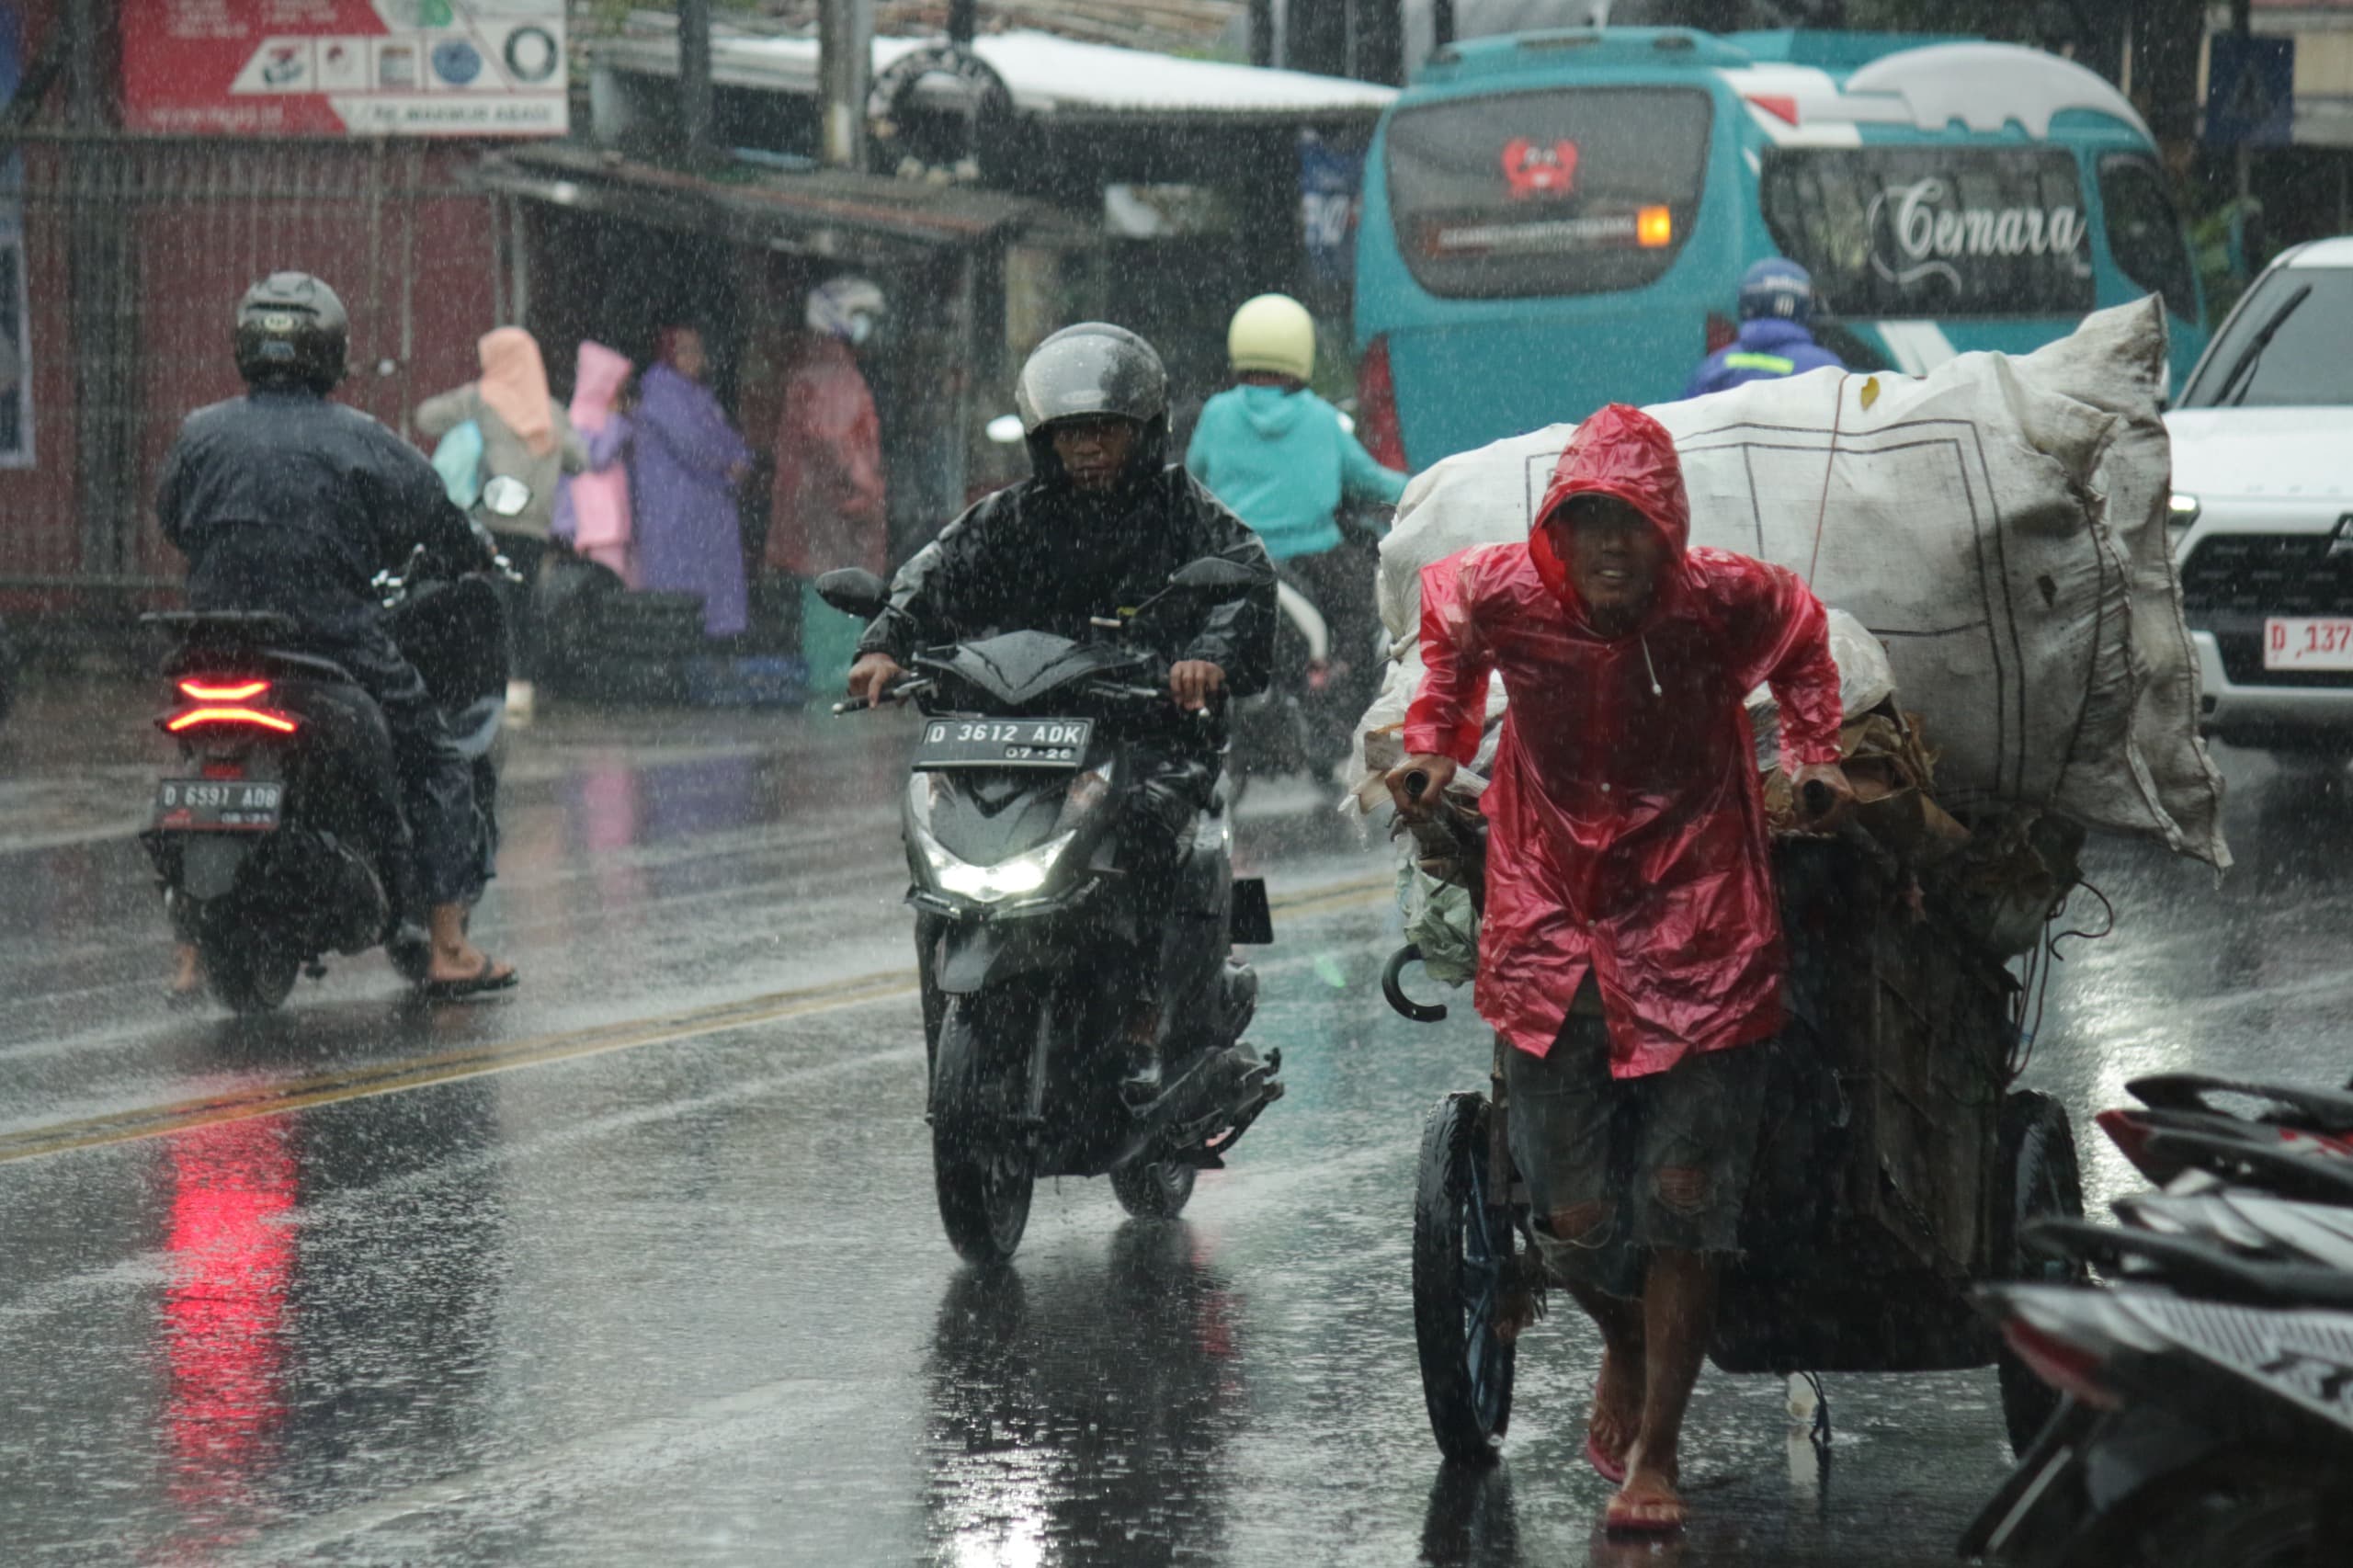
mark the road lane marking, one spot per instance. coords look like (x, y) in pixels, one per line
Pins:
(367, 1080)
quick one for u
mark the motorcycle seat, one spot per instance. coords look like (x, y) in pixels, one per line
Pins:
(219, 625)
(309, 667)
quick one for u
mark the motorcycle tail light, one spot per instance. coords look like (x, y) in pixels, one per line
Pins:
(223, 767)
(254, 717)
(2130, 1133)
(2070, 1368)
(1722, 332)
(223, 691)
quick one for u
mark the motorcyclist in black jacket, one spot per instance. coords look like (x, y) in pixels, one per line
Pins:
(1100, 524)
(283, 501)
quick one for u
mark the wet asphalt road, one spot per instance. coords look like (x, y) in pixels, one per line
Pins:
(640, 1264)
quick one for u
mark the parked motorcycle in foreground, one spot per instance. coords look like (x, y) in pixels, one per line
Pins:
(2209, 1416)
(1031, 899)
(273, 835)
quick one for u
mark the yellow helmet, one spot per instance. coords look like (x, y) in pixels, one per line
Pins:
(1275, 332)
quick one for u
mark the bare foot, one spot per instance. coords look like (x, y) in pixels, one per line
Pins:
(1648, 1504)
(1617, 1417)
(187, 974)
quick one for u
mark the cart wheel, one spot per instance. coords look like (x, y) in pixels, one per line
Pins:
(2039, 1181)
(1461, 1249)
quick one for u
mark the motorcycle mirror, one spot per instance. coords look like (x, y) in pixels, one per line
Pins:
(503, 496)
(854, 591)
(1006, 429)
(1216, 572)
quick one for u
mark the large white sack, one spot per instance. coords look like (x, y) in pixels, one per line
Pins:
(1999, 525)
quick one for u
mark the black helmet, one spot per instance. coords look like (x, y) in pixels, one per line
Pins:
(292, 331)
(1089, 371)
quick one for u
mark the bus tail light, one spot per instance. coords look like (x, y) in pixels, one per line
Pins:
(1654, 228)
(1377, 423)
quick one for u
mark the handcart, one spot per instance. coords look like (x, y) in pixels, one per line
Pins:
(1897, 1166)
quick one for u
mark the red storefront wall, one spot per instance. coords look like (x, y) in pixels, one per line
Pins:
(412, 253)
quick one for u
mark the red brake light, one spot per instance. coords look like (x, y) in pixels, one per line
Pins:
(260, 718)
(244, 691)
(1721, 331)
(2070, 1368)
(1779, 105)
(2130, 1133)
(1377, 423)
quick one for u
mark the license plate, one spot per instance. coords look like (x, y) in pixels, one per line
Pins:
(222, 806)
(1004, 743)
(2303, 644)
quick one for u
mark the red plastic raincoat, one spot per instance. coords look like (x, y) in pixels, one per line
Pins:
(829, 502)
(1627, 826)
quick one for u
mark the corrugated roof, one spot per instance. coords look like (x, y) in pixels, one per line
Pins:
(827, 211)
(1058, 78)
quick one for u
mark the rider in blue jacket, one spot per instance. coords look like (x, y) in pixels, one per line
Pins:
(1775, 304)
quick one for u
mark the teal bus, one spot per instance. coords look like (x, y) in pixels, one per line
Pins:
(1553, 220)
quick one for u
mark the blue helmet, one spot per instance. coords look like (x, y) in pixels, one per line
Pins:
(1778, 288)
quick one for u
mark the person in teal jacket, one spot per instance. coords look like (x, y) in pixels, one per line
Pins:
(1285, 463)
(1272, 450)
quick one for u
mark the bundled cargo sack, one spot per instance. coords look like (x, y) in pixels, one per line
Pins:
(1998, 524)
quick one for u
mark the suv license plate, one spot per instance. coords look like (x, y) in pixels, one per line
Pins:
(212, 805)
(2305, 643)
(1003, 742)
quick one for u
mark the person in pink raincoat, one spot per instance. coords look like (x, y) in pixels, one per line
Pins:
(592, 511)
(1630, 951)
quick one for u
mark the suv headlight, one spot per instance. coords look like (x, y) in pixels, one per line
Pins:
(2181, 512)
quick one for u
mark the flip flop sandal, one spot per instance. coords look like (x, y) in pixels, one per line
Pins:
(1620, 1518)
(481, 981)
(1609, 1470)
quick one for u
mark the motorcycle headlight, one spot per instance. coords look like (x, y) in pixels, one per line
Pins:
(1019, 877)
(1024, 874)
(2181, 512)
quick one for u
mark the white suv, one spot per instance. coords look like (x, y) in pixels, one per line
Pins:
(2263, 508)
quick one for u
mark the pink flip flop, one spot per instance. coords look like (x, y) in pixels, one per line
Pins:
(1609, 1470)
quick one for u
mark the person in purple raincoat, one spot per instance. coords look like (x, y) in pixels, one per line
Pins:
(688, 460)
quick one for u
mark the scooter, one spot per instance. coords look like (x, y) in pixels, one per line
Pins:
(1290, 727)
(1042, 1024)
(275, 834)
(2206, 1419)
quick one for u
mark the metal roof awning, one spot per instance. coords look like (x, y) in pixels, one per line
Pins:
(1064, 82)
(826, 212)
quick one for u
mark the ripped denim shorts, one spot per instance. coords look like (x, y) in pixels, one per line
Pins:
(1661, 1160)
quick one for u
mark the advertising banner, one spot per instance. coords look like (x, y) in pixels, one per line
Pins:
(345, 67)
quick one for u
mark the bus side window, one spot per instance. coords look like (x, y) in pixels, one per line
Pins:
(2144, 233)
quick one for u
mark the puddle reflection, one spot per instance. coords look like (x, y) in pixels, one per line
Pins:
(1078, 1415)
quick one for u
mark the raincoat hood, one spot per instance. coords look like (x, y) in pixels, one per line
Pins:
(1621, 452)
(1272, 411)
(597, 382)
(515, 386)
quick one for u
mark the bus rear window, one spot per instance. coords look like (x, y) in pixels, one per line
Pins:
(1932, 231)
(1574, 191)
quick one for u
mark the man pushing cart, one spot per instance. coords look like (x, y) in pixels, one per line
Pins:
(1632, 956)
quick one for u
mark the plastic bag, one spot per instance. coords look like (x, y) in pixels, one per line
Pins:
(458, 459)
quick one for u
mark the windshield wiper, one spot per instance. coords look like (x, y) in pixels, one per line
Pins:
(2244, 366)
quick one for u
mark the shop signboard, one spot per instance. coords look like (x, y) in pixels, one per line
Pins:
(345, 67)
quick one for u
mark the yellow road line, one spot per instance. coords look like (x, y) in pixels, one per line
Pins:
(365, 1080)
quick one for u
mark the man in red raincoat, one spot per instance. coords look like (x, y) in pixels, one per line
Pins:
(1630, 952)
